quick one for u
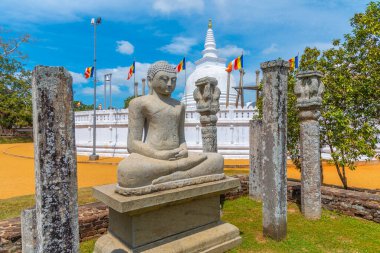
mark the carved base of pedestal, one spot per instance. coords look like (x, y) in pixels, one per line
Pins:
(218, 237)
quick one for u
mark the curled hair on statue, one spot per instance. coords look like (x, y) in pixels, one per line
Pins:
(160, 66)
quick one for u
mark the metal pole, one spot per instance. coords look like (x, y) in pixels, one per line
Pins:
(94, 156)
(241, 87)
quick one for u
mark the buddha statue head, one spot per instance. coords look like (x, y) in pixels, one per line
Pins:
(162, 78)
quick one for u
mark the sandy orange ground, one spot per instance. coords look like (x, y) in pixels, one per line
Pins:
(17, 171)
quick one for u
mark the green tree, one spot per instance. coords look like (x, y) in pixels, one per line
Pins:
(79, 106)
(15, 85)
(350, 109)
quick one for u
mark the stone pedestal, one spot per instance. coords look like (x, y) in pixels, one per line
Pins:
(275, 80)
(186, 219)
(309, 90)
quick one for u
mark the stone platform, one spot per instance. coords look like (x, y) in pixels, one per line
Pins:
(186, 219)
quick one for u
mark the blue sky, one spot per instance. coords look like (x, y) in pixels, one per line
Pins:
(151, 30)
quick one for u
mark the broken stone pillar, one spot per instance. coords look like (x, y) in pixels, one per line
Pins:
(207, 95)
(55, 161)
(308, 90)
(255, 171)
(143, 86)
(275, 80)
(28, 230)
(136, 91)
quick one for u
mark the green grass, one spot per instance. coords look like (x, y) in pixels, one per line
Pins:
(334, 233)
(9, 140)
(12, 207)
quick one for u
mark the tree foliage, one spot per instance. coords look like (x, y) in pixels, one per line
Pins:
(15, 86)
(350, 109)
(80, 106)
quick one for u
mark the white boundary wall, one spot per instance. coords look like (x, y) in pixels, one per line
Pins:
(112, 132)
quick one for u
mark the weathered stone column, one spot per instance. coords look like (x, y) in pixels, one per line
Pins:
(255, 171)
(28, 230)
(308, 90)
(275, 79)
(207, 97)
(136, 91)
(55, 161)
(143, 86)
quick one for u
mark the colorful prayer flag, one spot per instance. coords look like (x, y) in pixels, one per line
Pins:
(235, 64)
(89, 72)
(131, 70)
(181, 66)
(293, 62)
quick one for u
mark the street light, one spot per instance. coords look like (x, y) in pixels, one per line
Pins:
(94, 156)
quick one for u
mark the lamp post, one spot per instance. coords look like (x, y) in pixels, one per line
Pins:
(94, 156)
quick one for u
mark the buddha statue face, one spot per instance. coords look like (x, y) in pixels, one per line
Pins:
(162, 78)
(164, 83)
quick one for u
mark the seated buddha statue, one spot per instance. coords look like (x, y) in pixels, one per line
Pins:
(156, 139)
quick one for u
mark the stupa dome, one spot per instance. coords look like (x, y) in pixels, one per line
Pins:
(213, 66)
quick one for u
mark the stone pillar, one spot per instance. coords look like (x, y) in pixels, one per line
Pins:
(308, 90)
(28, 230)
(55, 161)
(207, 95)
(136, 89)
(275, 79)
(143, 86)
(255, 171)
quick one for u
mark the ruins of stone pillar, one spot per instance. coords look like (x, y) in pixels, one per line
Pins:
(143, 86)
(55, 161)
(275, 80)
(207, 95)
(136, 89)
(28, 230)
(308, 90)
(255, 171)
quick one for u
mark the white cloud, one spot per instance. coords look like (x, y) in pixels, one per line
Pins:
(273, 48)
(169, 6)
(125, 47)
(78, 78)
(180, 45)
(231, 51)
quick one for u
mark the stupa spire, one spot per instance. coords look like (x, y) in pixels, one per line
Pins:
(210, 45)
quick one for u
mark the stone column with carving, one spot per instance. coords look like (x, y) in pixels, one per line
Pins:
(309, 90)
(275, 81)
(207, 96)
(55, 164)
(255, 170)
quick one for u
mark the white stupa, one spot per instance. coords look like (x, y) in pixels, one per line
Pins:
(213, 66)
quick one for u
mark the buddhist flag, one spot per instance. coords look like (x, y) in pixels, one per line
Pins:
(293, 62)
(131, 70)
(181, 66)
(89, 72)
(235, 64)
